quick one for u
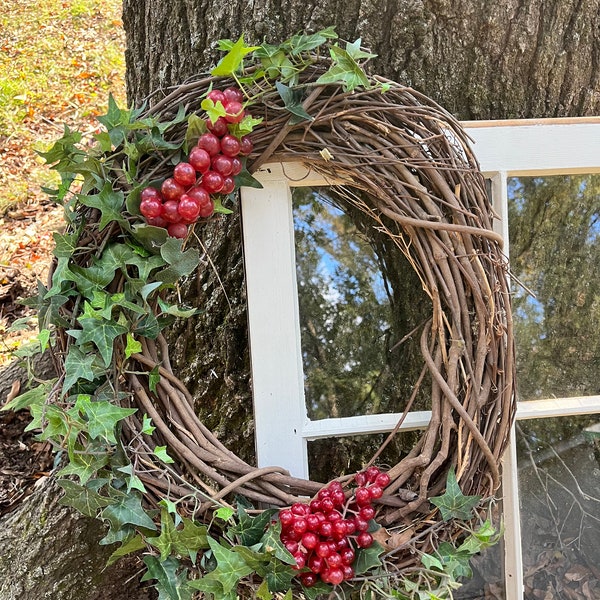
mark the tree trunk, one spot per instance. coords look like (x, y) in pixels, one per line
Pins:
(480, 60)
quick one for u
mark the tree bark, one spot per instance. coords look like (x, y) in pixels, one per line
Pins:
(480, 60)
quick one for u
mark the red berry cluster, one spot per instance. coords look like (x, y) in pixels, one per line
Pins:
(324, 535)
(211, 166)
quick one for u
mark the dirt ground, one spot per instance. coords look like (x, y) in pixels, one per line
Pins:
(26, 245)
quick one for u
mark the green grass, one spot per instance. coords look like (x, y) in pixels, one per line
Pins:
(59, 59)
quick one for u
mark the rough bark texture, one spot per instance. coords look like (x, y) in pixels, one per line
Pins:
(480, 60)
(48, 552)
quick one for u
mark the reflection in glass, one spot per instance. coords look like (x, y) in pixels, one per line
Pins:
(554, 225)
(559, 483)
(358, 299)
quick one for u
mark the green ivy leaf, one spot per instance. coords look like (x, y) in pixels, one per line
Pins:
(244, 179)
(196, 127)
(344, 69)
(147, 426)
(233, 60)
(87, 501)
(453, 504)
(79, 365)
(231, 566)
(133, 545)
(101, 333)
(219, 208)
(171, 585)
(279, 576)
(192, 538)
(127, 510)
(133, 481)
(271, 542)
(213, 111)
(320, 588)
(224, 513)
(153, 379)
(109, 203)
(132, 347)
(368, 558)
(161, 453)
(292, 100)
(83, 465)
(180, 263)
(102, 417)
(250, 530)
(30, 398)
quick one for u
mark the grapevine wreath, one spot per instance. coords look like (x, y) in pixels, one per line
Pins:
(139, 456)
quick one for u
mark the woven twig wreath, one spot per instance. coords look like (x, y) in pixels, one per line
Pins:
(421, 185)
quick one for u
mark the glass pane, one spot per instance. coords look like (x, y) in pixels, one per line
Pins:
(554, 225)
(359, 298)
(559, 483)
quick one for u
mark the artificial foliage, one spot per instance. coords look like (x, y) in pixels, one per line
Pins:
(131, 450)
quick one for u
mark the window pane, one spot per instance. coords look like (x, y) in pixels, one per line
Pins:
(554, 225)
(559, 482)
(358, 300)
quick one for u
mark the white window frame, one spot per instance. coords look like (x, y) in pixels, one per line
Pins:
(282, 427)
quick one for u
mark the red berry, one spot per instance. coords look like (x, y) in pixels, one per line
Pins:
(375, 491)
(324, 494)
(315, 563)
(236, 166)
(312, 522)
(382, 480)
(361, 479)
(339, 529)
(363, 496)
(348, 572)
(222, 164)
(189, 208)
(150, 193)
(220, 127)
(341, 544)
(299, 525)
(206, 210)
(300, 559)
(170, 212)
(171, 190)
(298, 508)
(347, 555)
(327, 504)
(246, 146)
(334, 560)
(228, 185)
(235, 111)
(338, 497)
(201, 195)
(364, 539)
(350, 527)
(326, 529)
(212, 182)
(230, 145)
(360, 524)
(310, 540)
(216, 96)
(233, 93)
(335, 576)
(177, 230)
(323, 550)
(308, 579)
(199, 158)
(291, 547)
(151, 207)
(366, 512)
(334, 516)
(157, 222)
(185, 174)
(209, 142)
(286, 516)
(372, 473)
